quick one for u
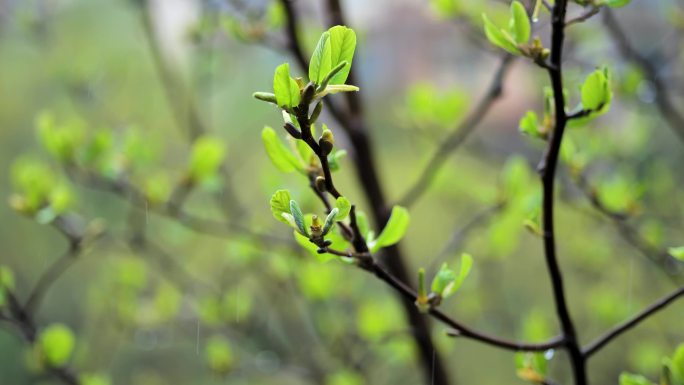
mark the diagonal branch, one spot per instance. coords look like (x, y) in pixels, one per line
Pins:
(458, 135)
(603, 340)
(663, 99)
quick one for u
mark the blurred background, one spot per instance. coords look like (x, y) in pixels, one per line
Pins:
(99, 104)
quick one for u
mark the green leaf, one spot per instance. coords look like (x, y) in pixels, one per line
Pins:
(296, 213)
(498, 38)
(447, 282)
(56, 343)
(634, 379)
(394, 229)
(281, 156)
(95, 379)
(595, 93)
(206, 157)
(330, 220)
(342, 44)
(442, 279)
(343, 206)
(677, 364)
(529, 124)
(615, 3)
(280, 203)
(520, 23)
(285, 88)
(321, 59)
(677, 252)
(219, 355)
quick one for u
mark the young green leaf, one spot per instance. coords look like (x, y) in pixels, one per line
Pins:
(342, 45)
(321, 59)
(520, 23)
(56, 344)
(280, 203)
(677, 364)
(677, 252)
(296, 213)
(595, 91)
(207, 155)
(394, 229)
(343, 207)
(442, 280)
(330, 220)
(634, 379)
(466, 265)
(334, 89)
(497, 37)
(285, 88)
(219, 355)
(615, 3)
(280, 155)
(529, 124)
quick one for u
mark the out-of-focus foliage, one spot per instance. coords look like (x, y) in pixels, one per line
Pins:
(219, 292)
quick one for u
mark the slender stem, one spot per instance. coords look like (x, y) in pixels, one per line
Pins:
(547, 170)
(663, 99)
(52, 274)
(459, 134)
(617, 331)
(460, 330)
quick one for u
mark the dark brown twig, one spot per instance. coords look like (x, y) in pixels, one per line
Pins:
(615, 332)
(547, 171)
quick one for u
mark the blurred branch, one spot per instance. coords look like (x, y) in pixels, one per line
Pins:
(50, 276)
(24, 321)
(663, 99)
(593, 10)
(171, 209)
(603, 340)
(459, 134)
(619, 220)
(182, 102)
(547, 171)
(479, 219)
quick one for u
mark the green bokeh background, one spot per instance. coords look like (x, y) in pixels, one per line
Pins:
(288, 318)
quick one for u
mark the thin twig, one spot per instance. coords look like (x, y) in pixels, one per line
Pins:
(458, 135)
(663, 99)
(615, 332)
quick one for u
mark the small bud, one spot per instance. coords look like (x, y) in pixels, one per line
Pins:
(316, 227)
(308, 93)
(265, 96)
(320, 183)
(326, 141)
(292, 130)
(316, 112)
(422, 302)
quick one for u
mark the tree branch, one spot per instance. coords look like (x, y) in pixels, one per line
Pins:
(663, 100)
(459, 134)
(547, 170)
(603, 340)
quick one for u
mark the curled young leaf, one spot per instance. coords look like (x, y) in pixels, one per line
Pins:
(330, 220)
(298, 216)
